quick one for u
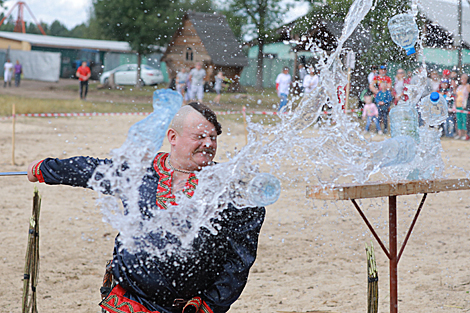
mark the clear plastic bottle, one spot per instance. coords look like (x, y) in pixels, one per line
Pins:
(393, 151)
(404, 31)
(433, 109)
(260, 189)
(404, 120)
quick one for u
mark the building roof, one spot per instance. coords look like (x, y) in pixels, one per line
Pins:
(68, 43)
(218, 39)
(445, 13)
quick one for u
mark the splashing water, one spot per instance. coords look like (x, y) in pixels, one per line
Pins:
(335, 150)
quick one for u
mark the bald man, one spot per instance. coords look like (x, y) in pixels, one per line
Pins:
(210, 278)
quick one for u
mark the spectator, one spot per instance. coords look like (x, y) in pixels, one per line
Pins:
(454, 80)
(283, 82)
(446, 91)
(372, 74)
(18, 72)
(462, 92)
(383, 98)
(83, 73)
(219, 79)
(435, 81)
(378, 79)
(181, 80)
(399, 84)
(310, 81)
(371, 113)
(8, 68)
(196, 77)
(301, 75)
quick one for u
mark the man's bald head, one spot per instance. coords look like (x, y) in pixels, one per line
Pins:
(179, 120)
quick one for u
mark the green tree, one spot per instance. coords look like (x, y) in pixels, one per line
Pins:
(58, 29)
(262, 17)
(142, 23)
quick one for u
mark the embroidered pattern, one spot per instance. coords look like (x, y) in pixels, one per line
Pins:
(117, 303)
(37, 172)
(164, 195)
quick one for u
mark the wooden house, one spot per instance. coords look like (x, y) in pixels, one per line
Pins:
(205, 38)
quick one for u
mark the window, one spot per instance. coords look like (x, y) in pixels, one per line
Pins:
(189, 54)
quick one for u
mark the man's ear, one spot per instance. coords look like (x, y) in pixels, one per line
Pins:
(171, 134)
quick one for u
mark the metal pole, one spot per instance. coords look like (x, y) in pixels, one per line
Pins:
(392, 228)
(348, 86)
(459, 65)
(13, 173)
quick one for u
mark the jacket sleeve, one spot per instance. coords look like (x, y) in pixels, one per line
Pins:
(242, 232)
(75, 171)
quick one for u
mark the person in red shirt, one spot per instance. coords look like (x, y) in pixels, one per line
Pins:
(83, 74)
(381, 78)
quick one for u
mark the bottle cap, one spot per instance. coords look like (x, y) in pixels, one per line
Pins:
(410, 51)
(434, 96)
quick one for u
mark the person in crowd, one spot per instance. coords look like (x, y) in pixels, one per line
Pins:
(83, 73)
(383, 99)
(372, 74)
(378, 79)
(181, 80)
(446, 91)
(371, 113)
(435, 81)
(302, 73)
(219, 82)
(209, 278)
(7, 73)
(197, 76)
(399, 85)
(310, 81)
(461, 99)
(446, 74)
(18, 72)
(283, 82)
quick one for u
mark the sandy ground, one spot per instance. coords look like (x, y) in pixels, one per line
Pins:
(311, 253)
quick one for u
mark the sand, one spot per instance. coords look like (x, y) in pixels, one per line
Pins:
(311, 253)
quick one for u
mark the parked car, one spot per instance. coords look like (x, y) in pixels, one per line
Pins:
(127, 75)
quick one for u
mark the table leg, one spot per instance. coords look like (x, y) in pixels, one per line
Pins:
(392, 228)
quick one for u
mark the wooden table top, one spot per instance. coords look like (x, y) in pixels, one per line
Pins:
(385, 189)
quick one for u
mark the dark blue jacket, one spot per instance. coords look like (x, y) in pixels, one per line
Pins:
(216, 270)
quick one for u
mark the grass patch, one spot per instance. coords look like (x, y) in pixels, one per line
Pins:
(34, 105)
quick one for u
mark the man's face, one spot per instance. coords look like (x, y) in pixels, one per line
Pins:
(83, 64)
(382, 72)
(195, 146)
(198, 66)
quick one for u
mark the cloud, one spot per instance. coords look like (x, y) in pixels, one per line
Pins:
(68, 12)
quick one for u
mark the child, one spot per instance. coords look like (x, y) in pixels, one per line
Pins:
(383, 98)
(372, 113)
(446, 91)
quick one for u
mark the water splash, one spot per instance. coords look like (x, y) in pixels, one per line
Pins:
(336, 150)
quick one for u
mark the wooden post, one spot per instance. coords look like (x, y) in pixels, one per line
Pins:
(13, 115)
(392, 211)
(244, 124)
(347, 91)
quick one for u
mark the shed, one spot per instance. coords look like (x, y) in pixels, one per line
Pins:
(73, 50)
(205, 38)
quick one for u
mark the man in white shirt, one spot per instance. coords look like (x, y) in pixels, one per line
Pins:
(283, 82)
(372, 74)
(8, 73)
(197, 76)
(310, 81)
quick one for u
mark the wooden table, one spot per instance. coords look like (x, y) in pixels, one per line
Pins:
(390, 190)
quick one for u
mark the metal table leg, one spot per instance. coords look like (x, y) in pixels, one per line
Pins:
(392, 231)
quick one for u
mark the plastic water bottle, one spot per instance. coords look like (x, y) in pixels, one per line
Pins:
(264, 189)
(433, 109)
(394, 151)
(404, 31)
(404, 120)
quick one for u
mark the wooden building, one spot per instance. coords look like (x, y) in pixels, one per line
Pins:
(205, 38)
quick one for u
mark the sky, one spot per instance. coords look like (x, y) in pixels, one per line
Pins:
(68, 12)
(74, 12)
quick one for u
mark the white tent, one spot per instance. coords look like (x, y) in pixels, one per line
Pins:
(445, 13)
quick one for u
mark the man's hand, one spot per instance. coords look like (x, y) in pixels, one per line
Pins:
(31, 177)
